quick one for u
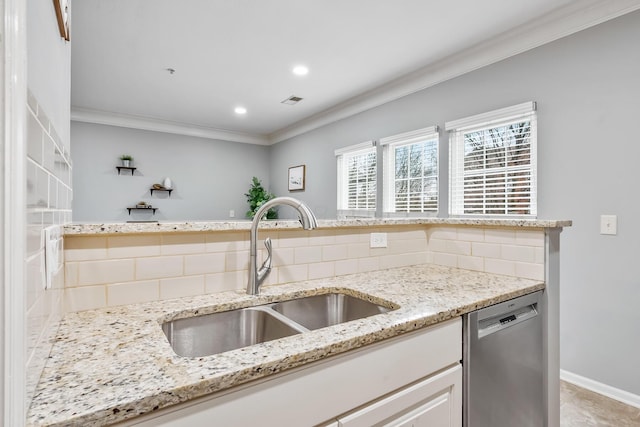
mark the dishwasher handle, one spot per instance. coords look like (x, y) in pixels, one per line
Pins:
(502, 321)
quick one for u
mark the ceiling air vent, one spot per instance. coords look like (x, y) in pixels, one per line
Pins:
(292, 100)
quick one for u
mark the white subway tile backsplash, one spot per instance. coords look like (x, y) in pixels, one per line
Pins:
(34, 278)
(539, 255)
(228, 281)
(71, 274)
(458, 247)
(322, 238)
(530, 237)
(530, 271)
(336, 252)
(494, 235)
(227, 242)
(174, 244)
(283, 256)
(237, 261)
(354, 250)
(293, 239)
(471, 263)
(401, 260)
(346, 266)
(133, 292)
(178, 287)
(215, 262)
(293, 273)
(307, 255)
(85, 248)
(47, 203)
(204, 263)
(471, 234)
(53, 193)
(35, 136)
(444, 233)
(447, 260)
(368, 264)
(159, 267)
(321, 270)
(438, 245)
(499, 266)
(350, 237)
(133, 246)
(411, 234)
(518, 253)
(403, 246)
(105, 271)
(85, 298)
(48, 154)
(488, 250)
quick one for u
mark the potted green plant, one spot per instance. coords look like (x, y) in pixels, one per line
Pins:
(126, 160)
(256, 197)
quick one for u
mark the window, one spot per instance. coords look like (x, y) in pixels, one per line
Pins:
(357, 173)
(493, 163)
(411, 171)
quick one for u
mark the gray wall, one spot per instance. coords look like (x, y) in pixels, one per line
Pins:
(587, 87)
(209, 177)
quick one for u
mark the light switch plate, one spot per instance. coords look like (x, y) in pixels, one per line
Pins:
(609, 224)
(378, 240)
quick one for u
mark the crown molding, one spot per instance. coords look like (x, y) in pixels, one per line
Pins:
(145, 123)
(574, 17)
(564, 21)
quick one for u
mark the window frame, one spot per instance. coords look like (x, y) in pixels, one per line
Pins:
(389, 145)
(492, 119)
(342, 154)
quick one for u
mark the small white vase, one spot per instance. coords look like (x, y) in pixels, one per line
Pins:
(167, 183)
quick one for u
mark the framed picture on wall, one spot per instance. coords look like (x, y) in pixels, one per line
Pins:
(296, 178)
(62, 14)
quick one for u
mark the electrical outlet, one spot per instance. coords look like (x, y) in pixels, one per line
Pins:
(609, 224)
(378, 240)
(232, 213)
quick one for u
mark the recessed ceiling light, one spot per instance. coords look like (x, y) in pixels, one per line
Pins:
(240, 110)
(300, 70)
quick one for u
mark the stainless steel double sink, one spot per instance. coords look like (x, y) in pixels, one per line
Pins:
(229, 330)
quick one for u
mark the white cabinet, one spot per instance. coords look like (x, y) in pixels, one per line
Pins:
(433, 402)
(412, 378)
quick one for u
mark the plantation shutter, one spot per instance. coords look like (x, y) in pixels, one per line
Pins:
(411, 171)
(357, 177)
(493, 163)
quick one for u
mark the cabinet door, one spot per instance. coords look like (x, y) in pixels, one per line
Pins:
(434, 402)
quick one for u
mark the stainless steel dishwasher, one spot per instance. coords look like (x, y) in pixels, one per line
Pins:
(503, 365)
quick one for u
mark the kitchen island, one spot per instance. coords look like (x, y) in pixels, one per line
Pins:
(114, 364)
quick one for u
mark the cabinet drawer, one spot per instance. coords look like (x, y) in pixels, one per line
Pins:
(434, 401)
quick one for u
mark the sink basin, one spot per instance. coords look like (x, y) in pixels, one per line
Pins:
(229, 330)
(319, 311)
(220, 332)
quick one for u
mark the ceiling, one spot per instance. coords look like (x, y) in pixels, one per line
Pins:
(225, 54)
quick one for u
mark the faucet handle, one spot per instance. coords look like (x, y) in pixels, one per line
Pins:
(267, 262)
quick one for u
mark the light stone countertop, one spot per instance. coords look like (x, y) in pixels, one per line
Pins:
(112, 364)
(198, 226)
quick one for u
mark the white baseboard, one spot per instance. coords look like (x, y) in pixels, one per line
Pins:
(600, 388)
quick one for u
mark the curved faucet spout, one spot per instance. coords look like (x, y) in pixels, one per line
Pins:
(308, 221)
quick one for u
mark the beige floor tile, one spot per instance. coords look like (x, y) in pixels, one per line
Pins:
(584, 408)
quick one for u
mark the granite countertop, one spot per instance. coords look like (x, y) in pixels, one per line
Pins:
(109, 365)
(196, 226)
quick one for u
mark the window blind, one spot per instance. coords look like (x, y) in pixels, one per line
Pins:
(357, 177)
(493, 164)
(411, 171)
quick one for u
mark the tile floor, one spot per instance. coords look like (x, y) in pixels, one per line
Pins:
(584, 408)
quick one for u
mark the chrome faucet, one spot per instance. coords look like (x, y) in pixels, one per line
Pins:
(257, 276)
